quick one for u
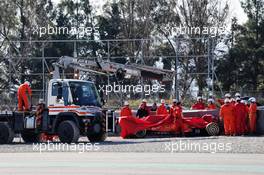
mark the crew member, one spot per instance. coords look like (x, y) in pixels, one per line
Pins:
(176, 113)
(245, 102)
(162, 110)
(221, 100)
(252, 115)
(227, 115)
(143, 110)
(211, 104)
(240, 117)
(199, 105)
(24, 95)
(126, 111)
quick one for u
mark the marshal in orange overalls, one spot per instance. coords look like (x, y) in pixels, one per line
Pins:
(240, 118)
(176, 113)
(227, 114)
(125, 111)
(211, 106)
(252, 117)
(162, 110)
(23, 94)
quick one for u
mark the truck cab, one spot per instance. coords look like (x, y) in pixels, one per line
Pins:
(65, 92)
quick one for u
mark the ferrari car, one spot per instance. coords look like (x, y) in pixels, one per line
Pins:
(194, 122)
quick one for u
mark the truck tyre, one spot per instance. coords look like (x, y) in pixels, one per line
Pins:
(6, 134)
(30, 137)
(68, 132)
(98, 131)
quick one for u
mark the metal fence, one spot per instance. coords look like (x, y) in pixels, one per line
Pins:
(137, 50)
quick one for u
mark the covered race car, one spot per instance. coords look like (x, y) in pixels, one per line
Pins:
(194, 121)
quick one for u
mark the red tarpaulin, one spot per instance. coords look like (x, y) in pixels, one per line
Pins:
(131, 125)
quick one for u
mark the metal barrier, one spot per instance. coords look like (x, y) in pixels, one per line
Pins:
(111, 121)
(260, 120)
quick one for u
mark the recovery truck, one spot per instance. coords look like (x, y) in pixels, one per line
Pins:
(73, 107)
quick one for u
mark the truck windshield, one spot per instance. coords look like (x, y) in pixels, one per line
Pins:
(84, 94)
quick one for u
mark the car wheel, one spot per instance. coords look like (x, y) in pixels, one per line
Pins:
(141, 134)
(212, 129)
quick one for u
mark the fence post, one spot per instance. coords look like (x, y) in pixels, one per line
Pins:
(43, 72)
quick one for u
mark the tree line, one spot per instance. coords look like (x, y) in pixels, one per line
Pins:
(240, 68)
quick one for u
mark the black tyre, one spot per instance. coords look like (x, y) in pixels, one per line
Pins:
(212, 129)
(141, 134)
(6, 134)
(30, 137)
(68, 132)
(97, 132)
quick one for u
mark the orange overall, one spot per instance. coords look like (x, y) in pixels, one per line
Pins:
(125, 111)
(211, 106)
(240, 118)
(23, 94)
(162, 110)
(252, 117)
(227, 114)
(176, 113)
(198, 106)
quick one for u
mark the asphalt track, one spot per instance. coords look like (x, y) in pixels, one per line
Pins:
(131, 163)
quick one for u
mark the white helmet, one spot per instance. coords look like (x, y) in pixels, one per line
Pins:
(199, 98)
(174, 101)
(252, 100)
(227, 100)
(126, 103)
(237, 95)
(28, 83)
(210, 100)
(227, 95)
(162, 101)
(144, 101)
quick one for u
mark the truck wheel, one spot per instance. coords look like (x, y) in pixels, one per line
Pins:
(68, 132)
(6, 134)
(30, 137)
(212, 129)
(98, 132)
